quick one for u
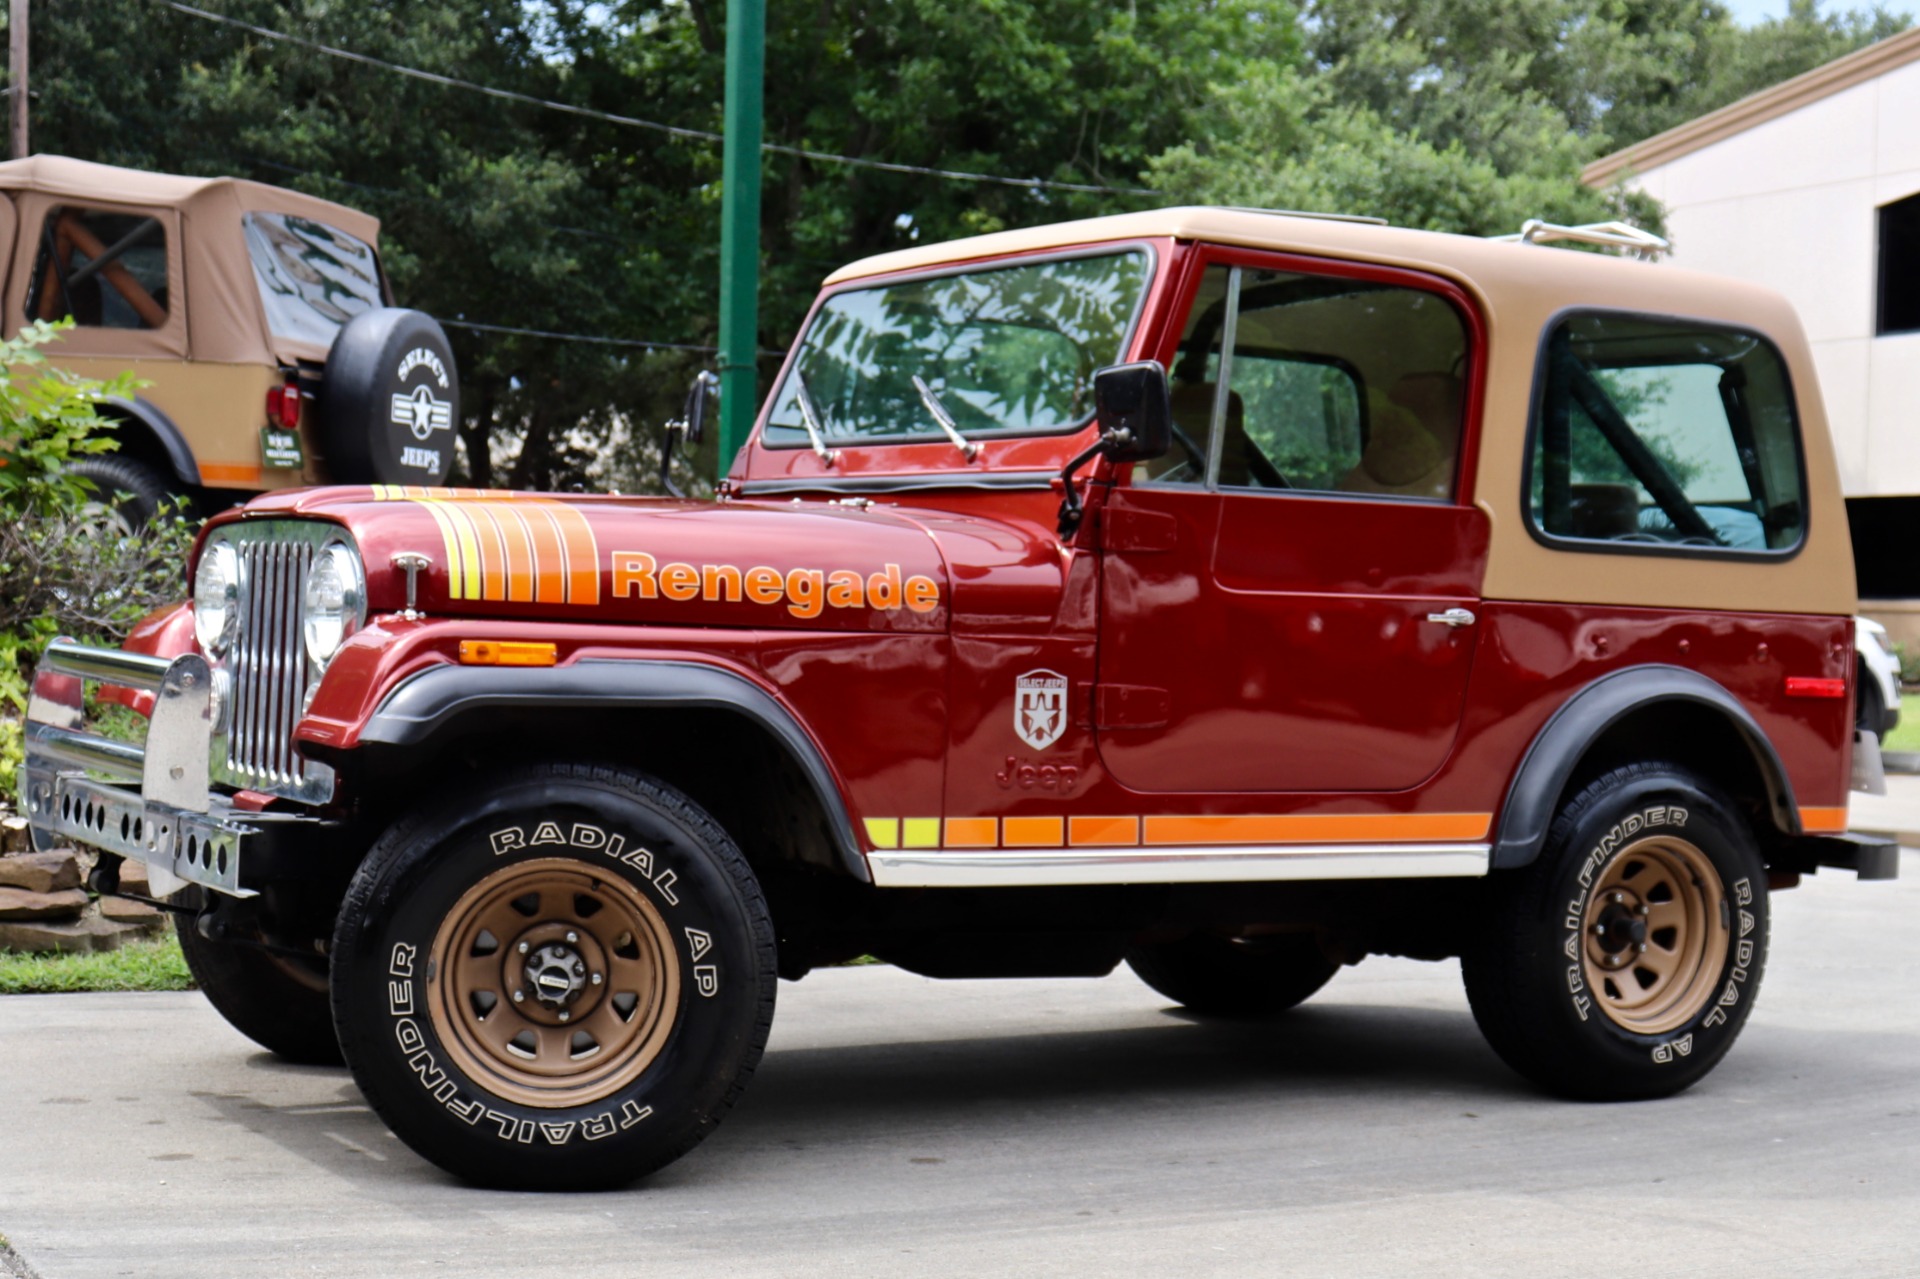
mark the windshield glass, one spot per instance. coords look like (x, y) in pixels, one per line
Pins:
(1010, 351)
(313, 279)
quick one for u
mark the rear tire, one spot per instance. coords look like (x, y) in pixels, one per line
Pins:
(1622, 963)
(1235, 976)
(561, 978)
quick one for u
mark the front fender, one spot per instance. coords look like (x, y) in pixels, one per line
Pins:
(425, 704)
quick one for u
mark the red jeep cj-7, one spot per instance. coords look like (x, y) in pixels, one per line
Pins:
(1231, 593)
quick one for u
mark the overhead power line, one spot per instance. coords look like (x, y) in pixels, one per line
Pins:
(594, 338)
(635, 122)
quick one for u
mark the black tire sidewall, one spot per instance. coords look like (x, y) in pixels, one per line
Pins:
(1613, 1060)
(381, 975)
(379, 355)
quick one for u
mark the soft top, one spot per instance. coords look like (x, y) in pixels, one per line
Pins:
(228, 325)
(85, 180)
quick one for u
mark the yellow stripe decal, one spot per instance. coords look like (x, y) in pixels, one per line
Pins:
(456, 569)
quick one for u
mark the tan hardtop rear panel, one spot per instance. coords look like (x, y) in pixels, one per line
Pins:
(1520, 288)
(224, 317)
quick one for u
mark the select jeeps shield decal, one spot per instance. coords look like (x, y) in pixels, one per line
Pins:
(1040, 708)
(415, 407)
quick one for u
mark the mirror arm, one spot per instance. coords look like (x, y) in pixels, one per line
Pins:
(1071, 508)
(674, 427)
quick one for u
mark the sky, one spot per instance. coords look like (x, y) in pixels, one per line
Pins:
(1748, 12)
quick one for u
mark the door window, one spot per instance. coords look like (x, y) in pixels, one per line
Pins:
(106, 270)
(1328, 384)
(1669, 436)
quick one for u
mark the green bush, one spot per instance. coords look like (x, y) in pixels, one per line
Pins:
(68, 565)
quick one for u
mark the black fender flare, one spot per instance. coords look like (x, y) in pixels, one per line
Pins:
(172, 443)
(1582, 719)
(421, 705)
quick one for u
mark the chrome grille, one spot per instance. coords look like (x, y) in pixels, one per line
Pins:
(267, 668)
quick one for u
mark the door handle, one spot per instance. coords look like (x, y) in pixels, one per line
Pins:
(1454, 617)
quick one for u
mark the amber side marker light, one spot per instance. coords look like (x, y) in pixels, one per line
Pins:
(1812, 686)
(505, 653)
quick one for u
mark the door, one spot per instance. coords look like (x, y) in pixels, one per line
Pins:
(1290, 599)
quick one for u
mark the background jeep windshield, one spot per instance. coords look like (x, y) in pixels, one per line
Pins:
(1008, 351)
(1667, 434)
(313, 279)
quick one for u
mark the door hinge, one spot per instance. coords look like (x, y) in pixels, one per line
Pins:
(1129, 706)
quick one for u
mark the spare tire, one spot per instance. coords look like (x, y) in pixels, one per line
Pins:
(390, 400)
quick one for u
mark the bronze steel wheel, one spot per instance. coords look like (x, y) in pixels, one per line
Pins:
(554, 983)
(560, 976)
(1656, 925)
(1623, 961)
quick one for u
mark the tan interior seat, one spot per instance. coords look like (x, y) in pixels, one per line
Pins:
(1413, 437)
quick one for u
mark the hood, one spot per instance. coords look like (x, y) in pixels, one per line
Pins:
(567, 557)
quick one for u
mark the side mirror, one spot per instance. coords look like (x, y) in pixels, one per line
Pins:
(1134, 410)
(691, 425)
(701, 397)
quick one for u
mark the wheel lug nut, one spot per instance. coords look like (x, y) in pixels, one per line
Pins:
(1619, 897)
(524, 948)
(565, 1015)
(1640, 948)
(597, 979)
(519, 996)
(572, 938)
(1645, 909)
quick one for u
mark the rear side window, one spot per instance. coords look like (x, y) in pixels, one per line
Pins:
(106, 270)
(313, 278)
(1664, 435)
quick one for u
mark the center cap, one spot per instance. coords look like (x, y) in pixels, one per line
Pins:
(555, 974)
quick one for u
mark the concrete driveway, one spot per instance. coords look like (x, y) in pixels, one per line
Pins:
(907, 1127)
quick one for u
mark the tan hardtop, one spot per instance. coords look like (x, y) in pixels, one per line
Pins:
(1520, 287)
(227, 323)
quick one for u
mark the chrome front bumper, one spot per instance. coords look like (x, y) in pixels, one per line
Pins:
(153, 803)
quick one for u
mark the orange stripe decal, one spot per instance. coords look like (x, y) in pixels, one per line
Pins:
(1032, 832)
(583, 555)
(1824, 819)
(971, 832)
(550, 578)
(1102, 832)
(493, 551)
(513, 528)
(1315, 828)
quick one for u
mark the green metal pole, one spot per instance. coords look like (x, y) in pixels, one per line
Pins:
(740, 225)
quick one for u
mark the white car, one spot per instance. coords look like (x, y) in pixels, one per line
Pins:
(1876, 708)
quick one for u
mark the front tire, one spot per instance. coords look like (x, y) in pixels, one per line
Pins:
(277, 1000)
(564, 985)
(1622, 963)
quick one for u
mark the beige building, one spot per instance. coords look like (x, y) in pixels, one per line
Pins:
(1813, 188)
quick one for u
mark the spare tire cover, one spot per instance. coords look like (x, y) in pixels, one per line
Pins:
(390, 400)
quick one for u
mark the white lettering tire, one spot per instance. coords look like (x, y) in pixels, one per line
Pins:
(559, 980)
(1622, 963)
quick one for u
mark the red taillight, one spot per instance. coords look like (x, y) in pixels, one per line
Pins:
(283, 406)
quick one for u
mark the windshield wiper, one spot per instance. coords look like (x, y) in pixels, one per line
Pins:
(944, 418)
(811, 417)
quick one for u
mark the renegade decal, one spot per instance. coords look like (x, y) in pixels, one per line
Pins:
(806, 592)
(1040, 708)
(507, 546)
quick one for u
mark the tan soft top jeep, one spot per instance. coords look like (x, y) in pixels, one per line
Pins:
(1231, 593)
(229, 299)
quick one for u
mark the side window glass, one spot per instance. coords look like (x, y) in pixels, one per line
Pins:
(1195, 385)
(1666, 434)
(1346, 386)
(106, 270)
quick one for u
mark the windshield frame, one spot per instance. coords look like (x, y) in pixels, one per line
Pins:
(929, 432)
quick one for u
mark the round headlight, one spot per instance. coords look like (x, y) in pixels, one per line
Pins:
(216, 599)
(331, 603)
